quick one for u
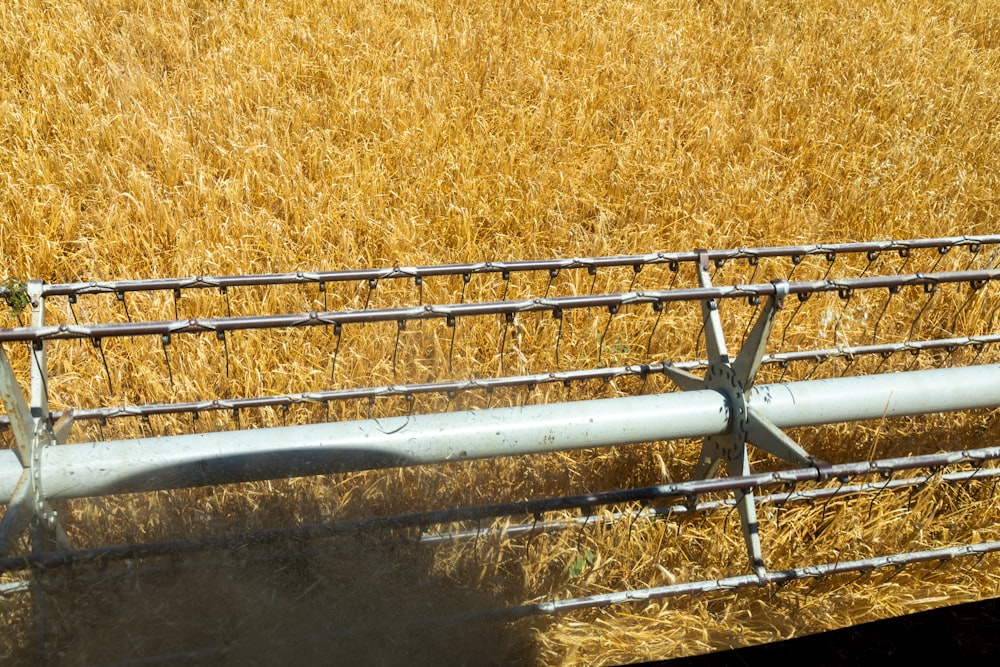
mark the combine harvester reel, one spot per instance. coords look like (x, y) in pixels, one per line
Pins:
(684, 297)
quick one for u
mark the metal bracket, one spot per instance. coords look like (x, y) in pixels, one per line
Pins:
(33, 432)
(734, 379)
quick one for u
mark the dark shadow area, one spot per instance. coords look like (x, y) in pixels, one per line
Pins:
(352, 600)
(281, 462)
(966, 633)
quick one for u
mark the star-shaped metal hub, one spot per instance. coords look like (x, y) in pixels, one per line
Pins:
(734, 379)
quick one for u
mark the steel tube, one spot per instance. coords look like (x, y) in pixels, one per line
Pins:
(479, 309)
(866, 397)
(862, 566)
(301, 278)
(215, 458)
(122, 466)
(536, 507)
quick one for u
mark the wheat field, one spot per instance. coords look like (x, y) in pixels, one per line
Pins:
(144, 139)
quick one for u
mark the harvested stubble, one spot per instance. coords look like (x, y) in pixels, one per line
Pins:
(197, 138)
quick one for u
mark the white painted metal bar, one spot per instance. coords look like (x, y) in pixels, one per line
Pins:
(21, 422)
(39, 364)
(213, 458)
(122, 466)
(847, 399)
